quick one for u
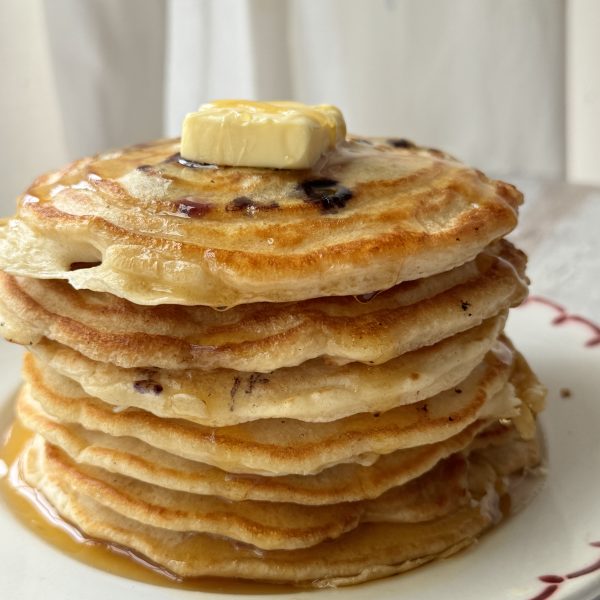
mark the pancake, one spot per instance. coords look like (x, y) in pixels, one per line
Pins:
(342, 483)
(439, 492)
(289, 446)
(523, 452)
(368, 551)
(315, 391)
(165, 231)
(287, 376)
(267, 525)
(533, 396)
(262, 337)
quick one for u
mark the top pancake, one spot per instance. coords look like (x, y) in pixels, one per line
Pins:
(165, 231)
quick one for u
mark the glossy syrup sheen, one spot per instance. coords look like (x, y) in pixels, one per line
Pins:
(35, 513)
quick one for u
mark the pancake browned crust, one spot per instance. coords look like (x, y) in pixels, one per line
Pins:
(264, 337)
(267, 525)
(133, 458)
(287, 446)
(368, 218)
(316, 391)
(369, 550)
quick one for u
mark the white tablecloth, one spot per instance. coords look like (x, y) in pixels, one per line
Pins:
(559, 229)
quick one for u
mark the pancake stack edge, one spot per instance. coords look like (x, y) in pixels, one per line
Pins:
(301, 437)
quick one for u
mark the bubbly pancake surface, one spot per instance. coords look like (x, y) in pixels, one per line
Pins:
(141, 224)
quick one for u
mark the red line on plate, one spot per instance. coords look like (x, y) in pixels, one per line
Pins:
(548, 591)
(557, 580)
(593, 567)
(564, 317)
(551, 578)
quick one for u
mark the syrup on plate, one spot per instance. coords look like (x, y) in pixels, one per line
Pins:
(35, 513)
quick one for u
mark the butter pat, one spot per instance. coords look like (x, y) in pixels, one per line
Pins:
(278, 135)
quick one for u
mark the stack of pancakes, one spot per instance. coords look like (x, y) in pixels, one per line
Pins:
(285, 376)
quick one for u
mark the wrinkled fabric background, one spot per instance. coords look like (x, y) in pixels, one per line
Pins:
(512, 87)
(483, 79)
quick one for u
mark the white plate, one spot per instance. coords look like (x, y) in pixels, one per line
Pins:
(552, 536)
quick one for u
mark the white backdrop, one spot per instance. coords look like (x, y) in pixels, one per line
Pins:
(511, 86)
(480, 78)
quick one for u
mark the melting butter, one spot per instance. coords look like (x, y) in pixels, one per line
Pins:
(244, 133)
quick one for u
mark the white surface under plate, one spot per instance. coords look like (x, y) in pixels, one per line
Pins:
(552, 536)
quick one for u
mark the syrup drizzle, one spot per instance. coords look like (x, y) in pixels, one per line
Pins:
(35, 513)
